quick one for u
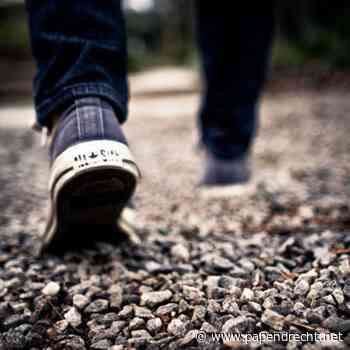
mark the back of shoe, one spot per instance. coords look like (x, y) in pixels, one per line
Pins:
(93, 176)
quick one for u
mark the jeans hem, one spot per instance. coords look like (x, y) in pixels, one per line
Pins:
(46, 109)
(240, 152)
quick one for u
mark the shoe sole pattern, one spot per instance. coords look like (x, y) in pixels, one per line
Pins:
(90, 184)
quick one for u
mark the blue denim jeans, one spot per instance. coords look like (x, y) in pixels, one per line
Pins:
(80, 50)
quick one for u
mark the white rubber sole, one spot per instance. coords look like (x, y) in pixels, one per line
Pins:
(86, 171)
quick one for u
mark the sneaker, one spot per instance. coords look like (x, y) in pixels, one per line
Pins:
(93, 176)
(220, 172)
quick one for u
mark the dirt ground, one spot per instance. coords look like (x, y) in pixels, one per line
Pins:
(269, 256)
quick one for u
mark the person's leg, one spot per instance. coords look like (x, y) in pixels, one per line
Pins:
(234, 41)
(80, 50)
(81, 96)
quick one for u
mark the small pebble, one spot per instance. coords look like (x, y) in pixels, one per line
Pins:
(142, 312)
(73, 317)
(155, 298)
(51, 289)
(80, 301)
(338, 296)
(247, 295)
(97, 306)
(302, 287)
(126, 312)
(180, 252)
(101, 345)
(141, 333)
(116, 295)
(61, 325)
(176, 327)
(192, 294)
(154, 325)
(273, 319)
(136, 323)
(168, 309)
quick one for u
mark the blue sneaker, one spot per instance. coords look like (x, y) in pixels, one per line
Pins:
(221, 172)
(93, 176)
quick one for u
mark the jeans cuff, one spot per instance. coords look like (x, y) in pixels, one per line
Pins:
(68, 94)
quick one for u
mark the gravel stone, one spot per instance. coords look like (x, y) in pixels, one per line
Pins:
(101, 345)
(344, 268)
(190, 338)
(346, 289)
(336, 324)
(136, 323)
(140, 334)
(80, 301)
(13, 283)
(97, 306)
(180, 252)
(72, 342)
(183, 306)
(24, 328)
(117, 327)
(208, 328)
(302, 287)
(314, 317)
(214, 306)
(155, 298)
(117, 347)
(247, 265)
(142, 312)
(154, 325)
(254, 307)
(228, 325)
(51, 289)
(315, 291)
(177, 328)
(108, 318)
(309, 276)
(212, 284)
(14, 321)
(199, 313)
(228, 282)
(116, 295)
(220, 264)
(273, 319)
(192, 294)
(168, 309)
(239, 324)
(73, 317)
(18, 307)
(230, 306)
(3, 289)
(338, 296)
(61, 325)
(247, 295)
(298, 308)
(126, 312)
(329, 299)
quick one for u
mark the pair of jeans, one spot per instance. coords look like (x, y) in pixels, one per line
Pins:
(80, 50)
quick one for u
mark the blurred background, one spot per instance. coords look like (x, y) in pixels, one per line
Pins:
(313, 37)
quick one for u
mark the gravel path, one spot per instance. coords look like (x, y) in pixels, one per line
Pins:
(271, 256)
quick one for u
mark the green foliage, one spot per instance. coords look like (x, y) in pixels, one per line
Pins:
(328, 46)
(316, 31)
(285, 54)
(322, 47)
(14, 34)
(308, 33)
